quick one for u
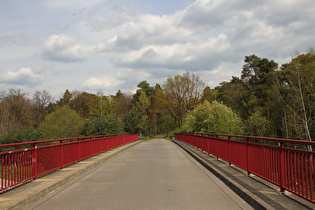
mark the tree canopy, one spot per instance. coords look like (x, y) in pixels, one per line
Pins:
(269, 101)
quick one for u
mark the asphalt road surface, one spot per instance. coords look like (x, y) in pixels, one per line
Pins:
(155, 174)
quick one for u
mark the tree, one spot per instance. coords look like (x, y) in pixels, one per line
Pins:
(259, 77)
(161, 121)
(207, 94)
(144, 87)
(63, 123)
(101, 105)
(297, 95)
(110, 124)
(15, 111)
(123, 104)
(65, 100)
(235, 95)
(213, 118)
(258, 125)
(144, 102)
(182, 94)
(80, 102)
(40, 101)
(136, 122)
(20, 135)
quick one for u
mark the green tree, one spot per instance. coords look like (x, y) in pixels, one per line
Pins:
(136, 122)
(258, 76)
(65, 100)
(258, 125)
(235, 95)
(144, 86)
(123, 103)
(62, 123)
(213, 118)
(80, 102)
(207, 94)
(20, 135)
(297, 95)
(101, 105)
(144, 102)
(110, 124)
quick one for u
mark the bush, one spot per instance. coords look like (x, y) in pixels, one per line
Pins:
(21, 135)
(213, 118)
(111, 124)
(62, 123)
(258, 125)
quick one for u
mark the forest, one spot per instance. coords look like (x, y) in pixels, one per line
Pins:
(266, 100)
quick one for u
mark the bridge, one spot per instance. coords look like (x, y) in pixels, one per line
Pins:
(155, 174)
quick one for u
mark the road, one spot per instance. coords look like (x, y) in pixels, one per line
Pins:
(155, 174)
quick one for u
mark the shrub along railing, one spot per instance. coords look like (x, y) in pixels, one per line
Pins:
(286, 163)
(31, 160)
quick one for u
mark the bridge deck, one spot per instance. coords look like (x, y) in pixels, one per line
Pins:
(155, 174)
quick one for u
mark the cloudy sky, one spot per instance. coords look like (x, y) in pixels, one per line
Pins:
(92, 45)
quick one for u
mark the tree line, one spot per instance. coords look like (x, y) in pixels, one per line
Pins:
(266, 100)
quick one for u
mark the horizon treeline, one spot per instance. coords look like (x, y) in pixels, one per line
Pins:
(266, 100)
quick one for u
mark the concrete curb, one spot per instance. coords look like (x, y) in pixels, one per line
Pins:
(253, 191)
(32, 191)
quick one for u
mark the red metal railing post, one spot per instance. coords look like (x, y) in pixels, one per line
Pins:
(216, 146)
(61, 154)
(282, 167)
(2, 172)
(91, 147)
(34, 162)
(229, 150)
(80, 154)
(247, 156)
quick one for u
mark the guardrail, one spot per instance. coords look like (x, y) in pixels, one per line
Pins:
(289, 164)
(34, 159)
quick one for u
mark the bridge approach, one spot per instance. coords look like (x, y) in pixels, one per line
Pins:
(156, 174)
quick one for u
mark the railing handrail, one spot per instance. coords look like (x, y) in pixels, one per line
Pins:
(293, 141)
(63, 139)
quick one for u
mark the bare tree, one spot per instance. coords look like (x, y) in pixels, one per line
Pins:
(183, 93)
(40, 101)
(15, 110)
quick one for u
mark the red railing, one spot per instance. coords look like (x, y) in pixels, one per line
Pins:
(287, 163)
(35, 159)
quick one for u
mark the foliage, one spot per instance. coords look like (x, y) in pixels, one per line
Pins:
(136, 122)
(297, 96)
(62, 123)
(207, 94)
(110, 124)
(123, 104)
(181, 129)
(213, 118)
(20, 135)
(258, 125)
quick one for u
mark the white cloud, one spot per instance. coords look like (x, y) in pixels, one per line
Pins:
(210, 38)
(100, 83)
(65, 49)
(107, 19)
(68, 4)
(24, 76)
